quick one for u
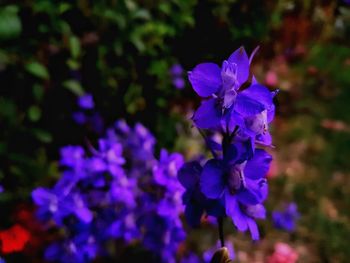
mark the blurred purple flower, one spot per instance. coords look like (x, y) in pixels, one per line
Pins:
(286, 219)
(86, 102)
(179, 82)
(118, 190)
(176, 70)
(80, 117)
(72, 156)
(81, 249)
(176, 73)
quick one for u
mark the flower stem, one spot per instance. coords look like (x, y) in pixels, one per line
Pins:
(221, 230)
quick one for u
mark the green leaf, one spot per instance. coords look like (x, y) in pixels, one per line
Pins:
(38, 70)
(34, 113)
(73, 64)
(158, 68)
(74, 86)
(63, 7)
(10, 24)
(142, 14)
(74, 46)
(8, 110)
(42, 135)
(38, 92)
(133, 99)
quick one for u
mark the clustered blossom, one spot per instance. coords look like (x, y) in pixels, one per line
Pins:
(286, 219)
(117, 190)
(234, 118)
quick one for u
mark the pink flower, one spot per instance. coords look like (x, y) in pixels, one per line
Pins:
(271, 78)
(283, 254)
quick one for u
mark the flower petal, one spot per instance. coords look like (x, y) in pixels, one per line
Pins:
(253, 228)
(212, 181)
(205, 79)
(258, 167)
(256, 211)
(189, 173)
(208, 115)
(231, 120)
(240, 57)
(247, 106)
(259, 93)
(253, 193)
(233, 210)
(271, 113)
(42, 196)
(84, 214)
(264, 139)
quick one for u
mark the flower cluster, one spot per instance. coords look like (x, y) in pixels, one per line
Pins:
(116, 191)
(233, 118)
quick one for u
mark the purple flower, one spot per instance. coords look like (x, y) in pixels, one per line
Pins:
(241, 184)
(60, 205)
(176, 73)
(86, 102)
(176, 70)
(162, 235)
(228, 104)
(96, 123)
(286, 219)
(118, 190)
(233, 118)
(196, 203)
(80, 249)
(80, 117)
(138, 142)
(179, 82)
(72, 156)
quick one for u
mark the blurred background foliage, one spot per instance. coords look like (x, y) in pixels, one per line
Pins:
(121, 52)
